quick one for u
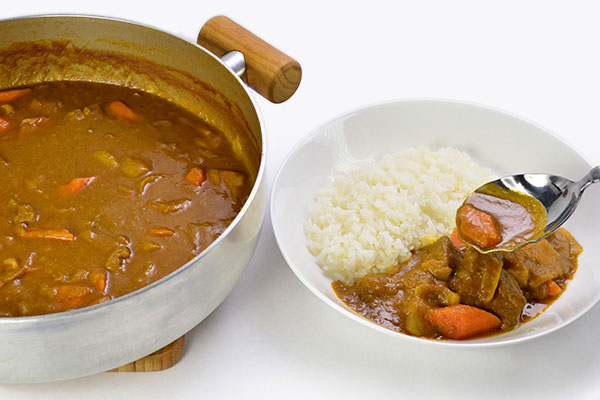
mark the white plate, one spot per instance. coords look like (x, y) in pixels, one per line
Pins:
(502, 142)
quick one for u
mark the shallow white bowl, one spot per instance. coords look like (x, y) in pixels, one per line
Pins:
(505, 143)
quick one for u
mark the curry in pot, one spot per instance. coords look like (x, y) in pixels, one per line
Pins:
(105, 189)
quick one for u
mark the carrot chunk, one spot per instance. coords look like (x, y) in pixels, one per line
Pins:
(72, 296)
(69, 291)
(75, 186)
(456, 240)
(462, 321)
(478, 227)
(45, 233)
(160, 232)
(121, 111)
(196, 176)
(5, 124)
(552, 288)
(10, 95)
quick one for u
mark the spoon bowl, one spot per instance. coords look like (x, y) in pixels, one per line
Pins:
(559, 196)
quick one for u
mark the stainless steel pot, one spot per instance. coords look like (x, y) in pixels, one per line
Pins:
(36, 49)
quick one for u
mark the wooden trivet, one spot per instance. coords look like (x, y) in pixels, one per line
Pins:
(157, 361)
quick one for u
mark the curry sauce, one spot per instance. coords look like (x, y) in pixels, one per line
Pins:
(446, 291)
(105, 189)
(493, 218)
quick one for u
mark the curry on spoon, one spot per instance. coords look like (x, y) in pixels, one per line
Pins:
(506, 214)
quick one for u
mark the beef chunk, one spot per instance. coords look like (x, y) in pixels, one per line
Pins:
(438, 259)
(481, 282)
(508, 301)
(540, 260)
(567, 247)
(476, 277)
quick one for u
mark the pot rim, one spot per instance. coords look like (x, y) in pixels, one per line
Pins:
(47, 318)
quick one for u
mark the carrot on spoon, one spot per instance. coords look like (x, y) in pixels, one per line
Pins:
(477, 227)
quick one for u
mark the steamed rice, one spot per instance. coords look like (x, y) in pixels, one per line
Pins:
(371, 218)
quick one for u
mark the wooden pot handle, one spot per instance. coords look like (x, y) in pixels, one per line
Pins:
(271, 73)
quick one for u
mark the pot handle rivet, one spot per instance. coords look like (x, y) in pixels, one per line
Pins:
(273, 74)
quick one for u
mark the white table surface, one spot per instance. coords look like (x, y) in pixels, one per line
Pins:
(271, 338)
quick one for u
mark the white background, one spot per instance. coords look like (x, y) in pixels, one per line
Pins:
(272, 338)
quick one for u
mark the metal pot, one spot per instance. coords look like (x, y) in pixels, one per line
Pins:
(37, 49)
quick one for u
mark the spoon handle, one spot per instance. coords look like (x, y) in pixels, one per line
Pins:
(595, 174)
(591, 177)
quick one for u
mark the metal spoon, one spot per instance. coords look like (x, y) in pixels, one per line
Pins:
(558, 195)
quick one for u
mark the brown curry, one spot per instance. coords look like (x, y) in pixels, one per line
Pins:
(456, 292)
(493, 218)
(105, 189)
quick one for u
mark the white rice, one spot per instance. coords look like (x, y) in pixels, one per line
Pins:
(373, 216)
